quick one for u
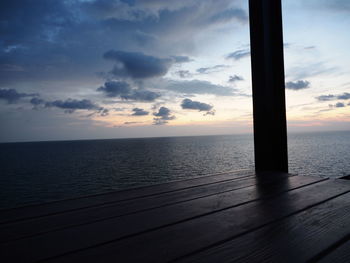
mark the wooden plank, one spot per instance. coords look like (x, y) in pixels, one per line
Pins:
(298, 238)
(80, 237)
(340, 254)
(179, 240)
(23, 213)
(40, 225)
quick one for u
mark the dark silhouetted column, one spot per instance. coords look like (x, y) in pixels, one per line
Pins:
(269, 110)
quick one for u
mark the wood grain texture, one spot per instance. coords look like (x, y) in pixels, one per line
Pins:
(80, 237)
(23, 213)
(175, 241)
(298, 238)
(44, 224)
(269, 218)
(340, 254)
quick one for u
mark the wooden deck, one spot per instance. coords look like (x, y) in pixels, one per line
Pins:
(230, 217)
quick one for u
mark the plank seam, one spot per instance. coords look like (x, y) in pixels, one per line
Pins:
(257, 228)
(127, 190)
(121, 200)
(135, 212)
(178, 222)
(330, 249)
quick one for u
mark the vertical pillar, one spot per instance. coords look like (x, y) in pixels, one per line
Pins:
(269, 109)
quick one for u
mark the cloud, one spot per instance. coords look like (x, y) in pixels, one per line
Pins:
(344, 96)
(235, 78)
(227, 15)
(181, 59)
(335, 5)
(239, 54)
(184, 74)
(139, 112)
(196, 105)
(339, 105)
(298, 85)
(36, 101)
(70, 105)
(49, 42)
(326, 97)
(309, 47)
(103, 112)
(144, 39)
(198, 87)
(137, 65)
(124, 91)
(131, 122)
(115, 88)
(163, 116)
(109, 9)
(141, 95)
(12, 96)
(303, 71)
(207, 70)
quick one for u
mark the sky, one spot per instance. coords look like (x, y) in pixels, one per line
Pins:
(94, 69)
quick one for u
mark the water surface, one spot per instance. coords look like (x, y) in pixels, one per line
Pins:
(39, 172)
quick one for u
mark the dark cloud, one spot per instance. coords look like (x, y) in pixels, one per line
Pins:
(184, 73)
(115, 88)
(12, 96)
(195, 105)
(37, 101)
(227, 15)
(199, 87)
(212, 69)
(181, 59)
(70, 105)
(45, 19)
(42, 40)
(137, 65)
(103, 112)
(109, 9)
(123, 90)
(339, 105)
(326, 97)
(344, 96)
(298, 85)
(235, 78)
(141, 95)
(144, 39)
(239, 54)
(50, 40)
(139, 112)
(162, 116)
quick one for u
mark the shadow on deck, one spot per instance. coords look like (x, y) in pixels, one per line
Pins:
(229, 217)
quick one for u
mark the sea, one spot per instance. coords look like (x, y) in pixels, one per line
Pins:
(39, 172)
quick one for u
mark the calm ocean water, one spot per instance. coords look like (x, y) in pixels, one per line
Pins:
(45, 171)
